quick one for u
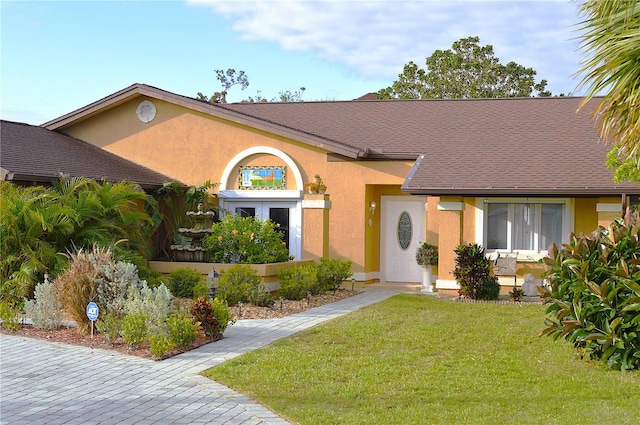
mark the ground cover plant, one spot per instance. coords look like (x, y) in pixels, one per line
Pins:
(414, 359)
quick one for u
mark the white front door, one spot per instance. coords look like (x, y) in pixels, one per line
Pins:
(402, 219)
(286, 214)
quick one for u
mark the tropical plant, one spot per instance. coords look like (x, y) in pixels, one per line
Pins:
(610, 39)
(202, 312)
(473, 273)
(427, 255)
(593, 295)
(331, 272)
(38, 225)
(245, 240)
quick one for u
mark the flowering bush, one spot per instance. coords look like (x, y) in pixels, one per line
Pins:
(245, 240)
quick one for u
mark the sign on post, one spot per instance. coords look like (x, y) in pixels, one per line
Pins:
(92, 314)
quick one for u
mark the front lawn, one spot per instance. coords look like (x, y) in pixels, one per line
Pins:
(413, 359)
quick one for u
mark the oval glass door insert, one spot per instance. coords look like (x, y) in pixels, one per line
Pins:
(405, 230)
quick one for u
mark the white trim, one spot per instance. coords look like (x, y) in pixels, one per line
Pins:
(262, 194)
(233, 163)
(366, 276)
(568, 220)
(446, 284)
(609, 207)
(450, 206)
(316, 204)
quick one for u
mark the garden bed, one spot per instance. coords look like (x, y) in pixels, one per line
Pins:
(70, 335)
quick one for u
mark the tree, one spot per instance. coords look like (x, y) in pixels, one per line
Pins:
(611, 38)
(228, 79)
(283, 96)
(468, 70)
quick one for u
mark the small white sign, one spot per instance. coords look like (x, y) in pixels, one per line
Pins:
(92, 311)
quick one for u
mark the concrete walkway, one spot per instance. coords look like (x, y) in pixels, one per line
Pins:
(54, 383)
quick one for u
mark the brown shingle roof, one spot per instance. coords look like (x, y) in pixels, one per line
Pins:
(512, 146)
(34, 154)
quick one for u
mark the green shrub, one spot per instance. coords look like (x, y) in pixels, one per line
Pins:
(156, 304)
(152, 277)
(183, 281)
(240, 283)
(45, 309)
(159, 344)
(114, 280)
(109, 325)
(134, 329)
(331, 273)
(182, 331)
(8, 315)
(296, 282)
(223, 316)
(593, 295)
(474, 275)
(245, 240)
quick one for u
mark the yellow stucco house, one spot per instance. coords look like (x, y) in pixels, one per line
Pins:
(510, 174)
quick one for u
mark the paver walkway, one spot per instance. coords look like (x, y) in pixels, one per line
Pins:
(54, 383)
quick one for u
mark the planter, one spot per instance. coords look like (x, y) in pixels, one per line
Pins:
(427, 277)
(268, 272)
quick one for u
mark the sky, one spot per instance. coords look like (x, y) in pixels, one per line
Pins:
(58, 56)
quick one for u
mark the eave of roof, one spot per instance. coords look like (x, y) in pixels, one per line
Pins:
(217, 110)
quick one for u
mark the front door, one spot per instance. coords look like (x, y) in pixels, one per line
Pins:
(285, 214)
(402, 219)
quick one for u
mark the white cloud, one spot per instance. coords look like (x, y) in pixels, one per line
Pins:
(376, 38)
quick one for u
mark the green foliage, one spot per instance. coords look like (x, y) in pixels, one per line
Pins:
(625, 168)
(610, 40)
(152, 277)
(159, 344)
(427, 255)
(468, 70)
(296, 282)
(45, 310)
(202, 311)
(37, 224)
(473, 273)
(156, 304)
(241, 283)
(221, 312)
(182, 331)
(593, 296)
(183, 281)
(113, 282)
(245, 240)
(331, 272)
(134, 329)
(110, 326)
(8, 315)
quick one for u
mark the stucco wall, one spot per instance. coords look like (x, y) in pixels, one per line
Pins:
(193, 147)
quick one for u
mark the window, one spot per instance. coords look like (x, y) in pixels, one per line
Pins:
(524, 226)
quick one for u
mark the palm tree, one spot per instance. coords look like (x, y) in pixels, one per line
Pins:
(612, 39)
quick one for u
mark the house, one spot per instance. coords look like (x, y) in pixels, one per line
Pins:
(510, 174)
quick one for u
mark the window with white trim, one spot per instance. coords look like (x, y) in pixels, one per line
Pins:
(524, 226)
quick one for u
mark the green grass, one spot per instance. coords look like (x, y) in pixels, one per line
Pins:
(417, 360)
